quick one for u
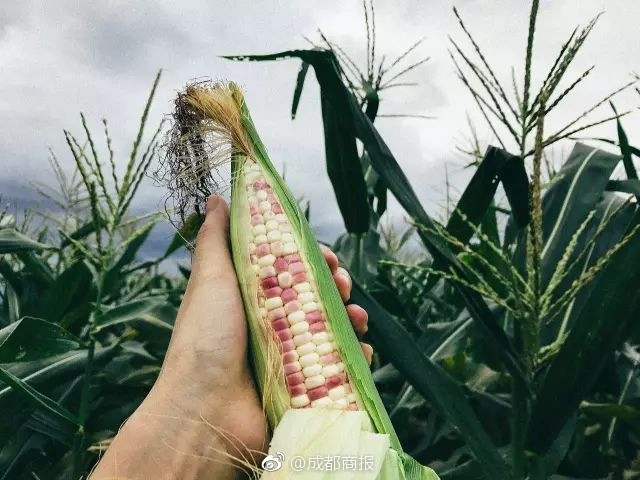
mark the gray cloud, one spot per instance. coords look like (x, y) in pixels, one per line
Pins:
(59, 58)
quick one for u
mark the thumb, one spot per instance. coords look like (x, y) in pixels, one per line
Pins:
(212, 259)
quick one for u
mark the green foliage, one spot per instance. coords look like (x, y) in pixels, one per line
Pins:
(84, 324)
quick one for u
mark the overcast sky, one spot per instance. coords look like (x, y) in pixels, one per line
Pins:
(60, 58)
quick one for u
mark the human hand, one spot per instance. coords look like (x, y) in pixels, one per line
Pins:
(205, 405)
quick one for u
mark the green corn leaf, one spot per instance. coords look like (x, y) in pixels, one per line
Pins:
(35, 397)
(606, 320)
(138, 310)
(625, 186)
(572, 196)
(12, 241)
(32, 338)
(302, 74)
(435, 385)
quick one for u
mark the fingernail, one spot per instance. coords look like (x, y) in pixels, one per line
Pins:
(212, 203)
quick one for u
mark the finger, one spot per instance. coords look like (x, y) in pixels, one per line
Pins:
(330, 257)
(368, 352)
(343, 282)
(212, 257)
(359, 318)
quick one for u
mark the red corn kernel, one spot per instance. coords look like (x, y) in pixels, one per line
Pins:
(257, 219)
(318, 392)
(290, 368)
(329, 358)
(317, 327)
(273, 292)
(276, 313)
(294, 379)
(313, 317)
(288, 295)
(263, 249)
(287, 346)
(269, 282)
(294, 257)
(297, 390)
(291, 307)
(280, 324)
(271, 198)
(288, 357)
(276, 208)
(254, 210)
(300, 277)
(284, 335)
(336, 380)
(280, 265)
(296, 267)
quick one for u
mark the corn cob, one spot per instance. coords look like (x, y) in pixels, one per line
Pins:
(306, 357)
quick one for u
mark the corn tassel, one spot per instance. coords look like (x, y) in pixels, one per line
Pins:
(317, 390)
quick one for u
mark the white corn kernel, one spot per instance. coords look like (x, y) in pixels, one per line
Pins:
(300, 401)
(320, 338)
(302, 287)
(261, 195)
(310, 359)
(267, 260)
(285, 280)
(315, 381)
(252, 247)
(312, 370)
(264, 206)
(305, 297)
(351, 398)
(266, 272)
(300, 327)
(287, 237)
(324, 348)
(337, 393)
(289, 248)
(273, 302)
(260, 239)
(323, 402)
(273, 236)
(306, 349)
(276, 249)
(296, 317)
(302, 338)
(272, 225)
(281, 218)
(340, 404)
(309, 306)
(340, 367)
(268, 215)
(330, 370)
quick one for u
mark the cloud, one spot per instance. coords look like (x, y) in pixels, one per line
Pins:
(59, 58)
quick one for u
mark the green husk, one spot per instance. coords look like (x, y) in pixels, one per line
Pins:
(222, 110)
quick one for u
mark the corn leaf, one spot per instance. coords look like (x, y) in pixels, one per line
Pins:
(33, 396)
(12, 241)
(607, 319)
(441, 390)
(32, 338)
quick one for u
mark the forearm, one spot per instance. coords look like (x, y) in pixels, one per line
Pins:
(159, 442)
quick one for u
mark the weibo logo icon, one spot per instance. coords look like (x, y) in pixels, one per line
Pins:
(272, 463)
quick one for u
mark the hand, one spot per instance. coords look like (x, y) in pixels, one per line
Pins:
(205, 405)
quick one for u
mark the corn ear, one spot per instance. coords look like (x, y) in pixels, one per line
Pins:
(289, 338)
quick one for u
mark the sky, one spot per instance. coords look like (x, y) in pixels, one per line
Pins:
(61, 58)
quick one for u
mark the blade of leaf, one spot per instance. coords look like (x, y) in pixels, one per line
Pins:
(35, 397)
(442, 391)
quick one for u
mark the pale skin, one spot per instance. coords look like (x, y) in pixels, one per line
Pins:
(204, 409)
